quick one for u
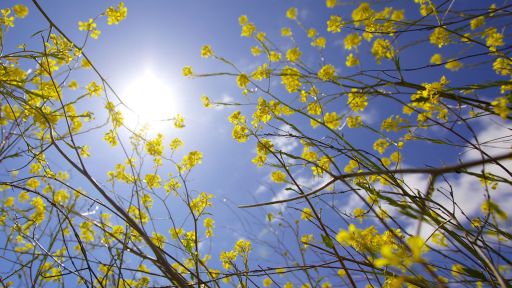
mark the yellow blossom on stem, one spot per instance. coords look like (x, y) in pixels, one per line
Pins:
(291, 13)
(330, 3)
(334, 24)
(327, 73)
(187, 71)
(307, 214)
(293, 54)
(332, 120)
(116, 14)
(352, 60)
(242, 80)
(440, 37)
(278, 177)
(206, 51)
(20, 10)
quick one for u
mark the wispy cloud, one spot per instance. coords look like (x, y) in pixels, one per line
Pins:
(466, 190)
(307, 184)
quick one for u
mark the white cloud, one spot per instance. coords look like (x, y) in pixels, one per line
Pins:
(308, 184)
(226, 98)
(283, 142)
(260, 190)
(466, 190)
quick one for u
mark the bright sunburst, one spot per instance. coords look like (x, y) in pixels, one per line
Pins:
(149, 100)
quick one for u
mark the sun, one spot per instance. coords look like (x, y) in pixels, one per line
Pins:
(149, 100)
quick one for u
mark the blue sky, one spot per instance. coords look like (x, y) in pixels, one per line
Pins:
(164, 36)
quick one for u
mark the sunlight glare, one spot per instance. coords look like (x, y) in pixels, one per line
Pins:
(149, 101)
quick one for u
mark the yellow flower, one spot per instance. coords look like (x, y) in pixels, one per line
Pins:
(261, 36)
(95, 33)
(395, 157)
(319, 42)
(306, 239)
(111, 138)
(278, 176)
(6, 19)
(354, 121)
(153, 180)
(359, 213)
(436, 59)
(398, 15)
(440, 37)
(312, 32)
(314, 108)
(357, 100)
(501, 107)
(33, 183)
(176, 233)
(341, 273)
(73, 85)
(267, 282)
(332, 120)
(242, 80)
(192, 159)
(94, 89)
(327, 73)
(61, 196)
(242, 20)
(334, 24)
(290, 78)
(293, 54)
(248, 30)
(380, 145)
(146, 200)
(206, 51)
(227, 258)
(85, 64)
(116, 14)
(242, 247)
(20, 10)
(352, 41)
(493, 38)
(307, 214)
(9, 202)
(87, 26)
(286, 32)
(502, 66)
(179, 121)
(155, 147)
(382, 49)
(362, 13)
(255, 51)
(23, 196)
(187, 71)
(477, 22)
(274, 56)
(490, 207)
(208, 225)
(291, 13)
(86, 232)
(453, 65)
(439, 239)
(352, 60)
(158, 239)
(84, 151)
(417, 246)
(206, 101)
(330, 3)
(262, 72)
